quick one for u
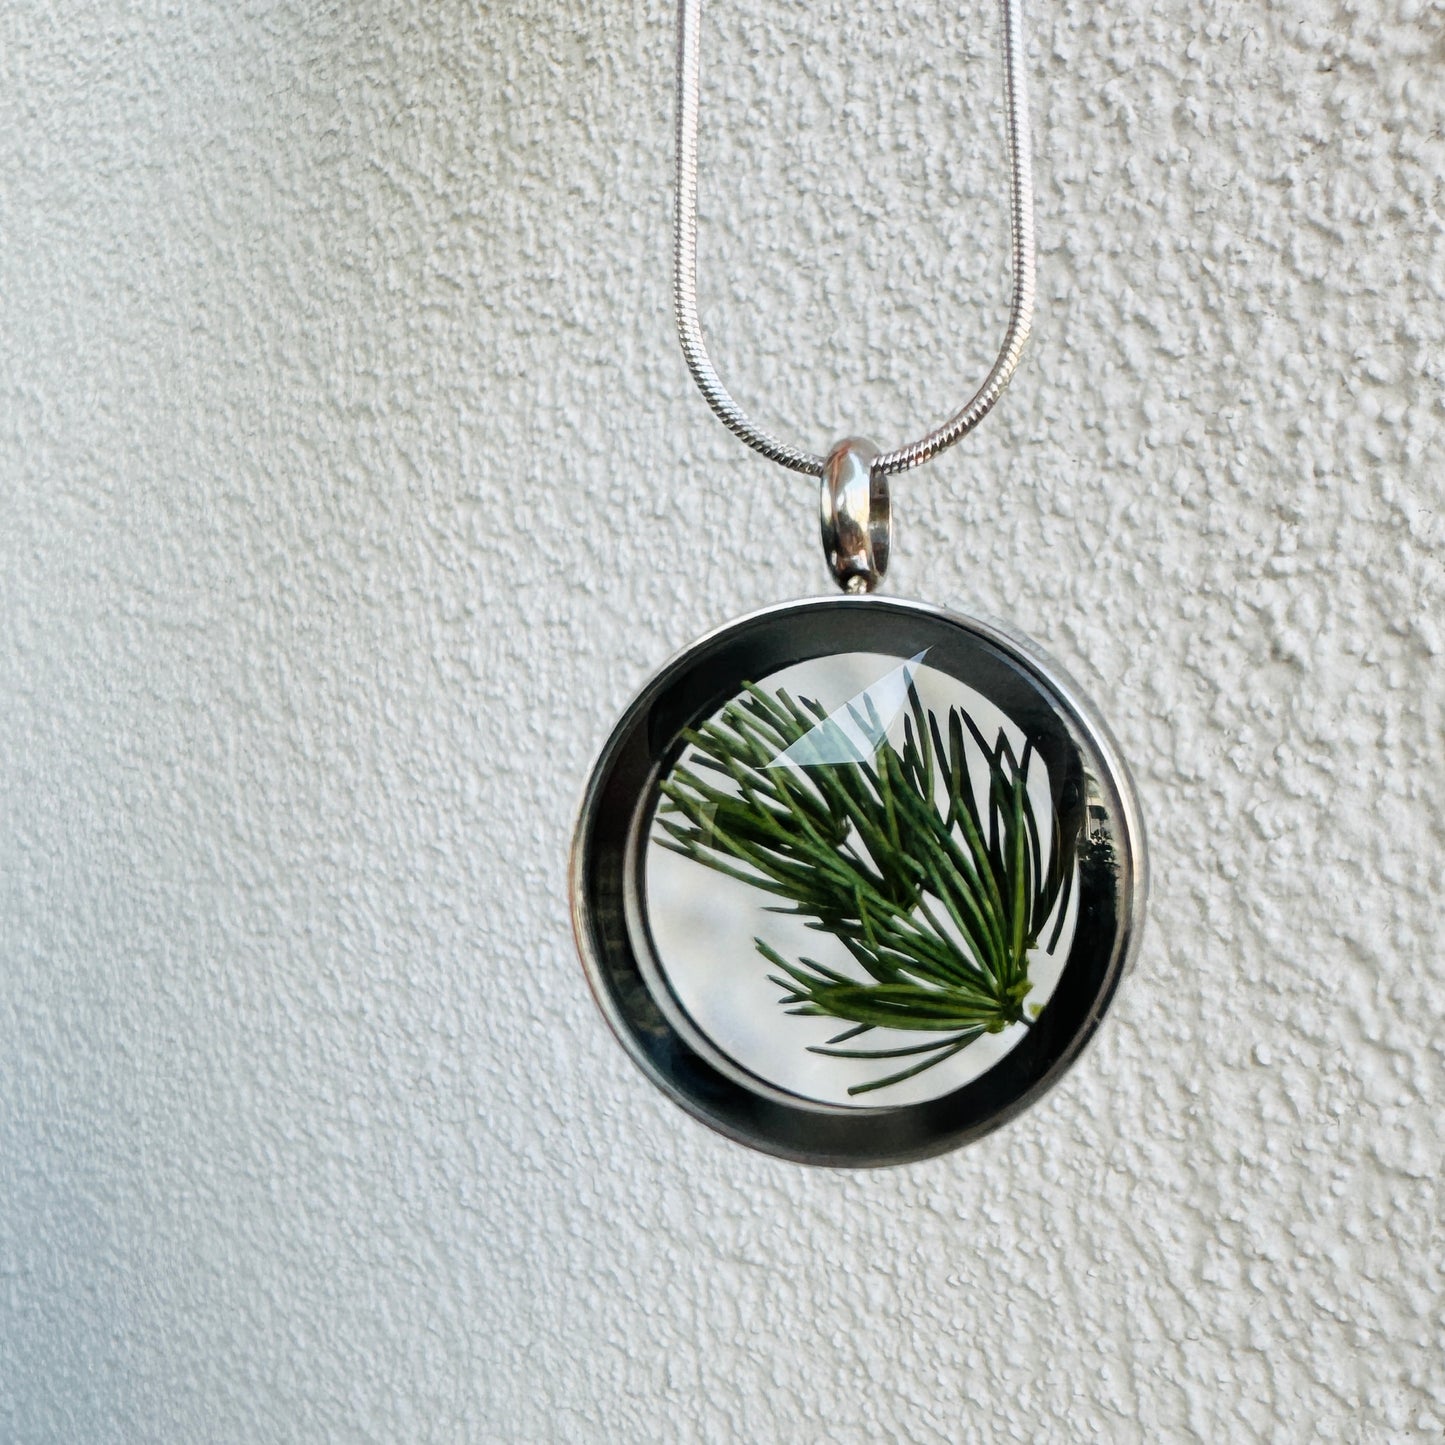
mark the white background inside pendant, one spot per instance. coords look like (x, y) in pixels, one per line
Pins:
(704, 926)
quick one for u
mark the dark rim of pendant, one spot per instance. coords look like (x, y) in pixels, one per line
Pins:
(608, 908)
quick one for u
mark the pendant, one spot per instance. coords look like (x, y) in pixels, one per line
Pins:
(855, 878)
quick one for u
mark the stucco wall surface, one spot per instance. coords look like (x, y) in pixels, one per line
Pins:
(352, 482)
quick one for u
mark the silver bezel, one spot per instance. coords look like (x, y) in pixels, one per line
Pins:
(629, 985)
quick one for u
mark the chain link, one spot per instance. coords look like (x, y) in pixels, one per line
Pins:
(684, 290)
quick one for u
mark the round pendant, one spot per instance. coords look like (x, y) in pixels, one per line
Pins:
(855, 879)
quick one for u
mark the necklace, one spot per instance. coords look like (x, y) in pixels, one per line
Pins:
(855, 878)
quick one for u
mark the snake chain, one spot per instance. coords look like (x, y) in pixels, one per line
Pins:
(1021, 218)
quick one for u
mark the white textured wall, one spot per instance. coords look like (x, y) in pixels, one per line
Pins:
(351, 482)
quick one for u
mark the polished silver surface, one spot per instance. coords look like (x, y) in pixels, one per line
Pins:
(856, 516)
(609, 892)
(1021, 218)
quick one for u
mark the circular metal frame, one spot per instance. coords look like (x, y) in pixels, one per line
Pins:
(608, 900)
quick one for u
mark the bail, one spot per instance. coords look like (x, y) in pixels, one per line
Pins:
(857, 516)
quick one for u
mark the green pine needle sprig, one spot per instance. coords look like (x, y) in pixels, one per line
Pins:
(936, 897)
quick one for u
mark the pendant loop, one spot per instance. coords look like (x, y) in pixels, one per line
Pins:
(857, 516)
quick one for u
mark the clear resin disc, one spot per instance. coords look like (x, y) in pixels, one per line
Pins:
(856, 878)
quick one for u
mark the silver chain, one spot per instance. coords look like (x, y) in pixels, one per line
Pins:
(684, 290)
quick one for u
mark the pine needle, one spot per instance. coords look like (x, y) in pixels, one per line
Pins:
(878, 852)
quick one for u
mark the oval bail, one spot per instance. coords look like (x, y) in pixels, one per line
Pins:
(857, 516)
